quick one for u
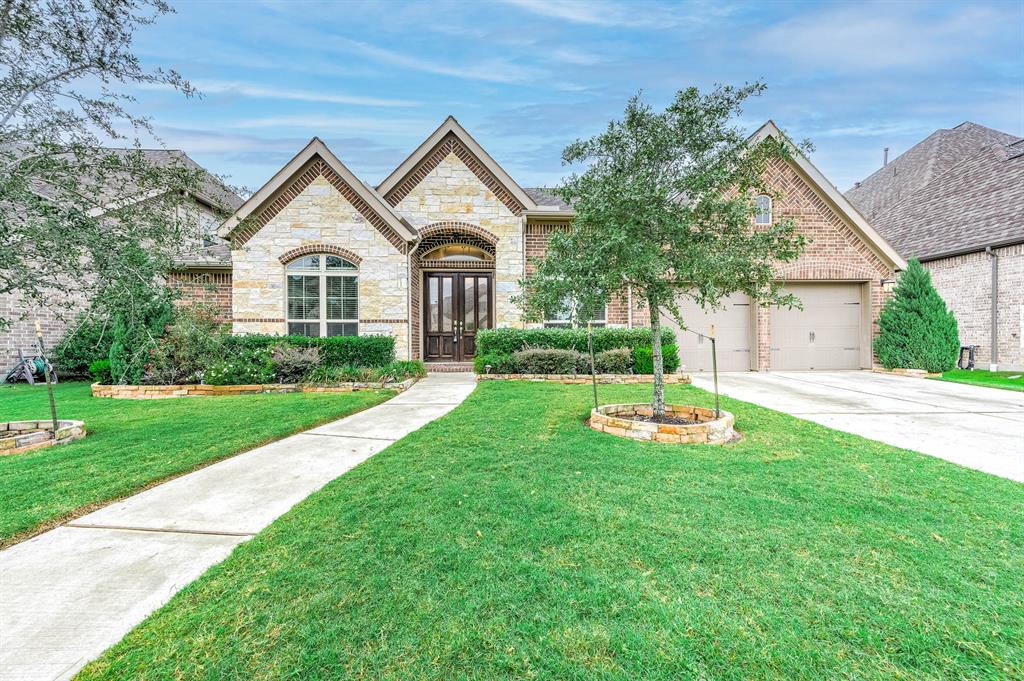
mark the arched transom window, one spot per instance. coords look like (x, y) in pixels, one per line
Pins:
(323, 296)
(458, 252)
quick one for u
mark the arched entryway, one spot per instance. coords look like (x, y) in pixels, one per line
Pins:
(453, 290)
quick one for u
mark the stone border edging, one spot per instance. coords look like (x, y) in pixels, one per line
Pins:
(17, 437)
(909, 373)
(160, 392)
(614, 419)
(670, 379)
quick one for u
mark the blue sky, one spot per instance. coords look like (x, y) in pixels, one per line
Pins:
(525, 77)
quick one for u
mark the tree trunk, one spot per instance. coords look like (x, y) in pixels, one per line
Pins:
(658, 399)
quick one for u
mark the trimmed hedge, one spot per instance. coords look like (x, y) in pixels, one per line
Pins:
(559, 361)
(335, 351)
(507, 341)
(645, 359)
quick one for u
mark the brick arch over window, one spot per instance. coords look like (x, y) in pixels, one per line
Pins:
(312, 249)
(451, 232)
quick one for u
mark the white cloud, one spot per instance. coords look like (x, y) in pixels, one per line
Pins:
(259, 91)
(347, 124)
(492, 70)
(879, 36)
(623, 15)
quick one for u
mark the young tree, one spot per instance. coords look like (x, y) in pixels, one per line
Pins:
(665, 206)
(916, 330)
(67, 201)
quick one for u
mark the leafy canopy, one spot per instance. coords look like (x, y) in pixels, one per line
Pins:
(916, 330)
(665, 206)
(68, 203)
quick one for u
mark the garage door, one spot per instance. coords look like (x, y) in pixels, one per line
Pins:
(732, 330)
(825, 334)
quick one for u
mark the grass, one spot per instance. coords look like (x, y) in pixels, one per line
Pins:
(508, 540)
(991, 379)
(132, 444)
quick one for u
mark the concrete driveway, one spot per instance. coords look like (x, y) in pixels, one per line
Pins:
(981, 428)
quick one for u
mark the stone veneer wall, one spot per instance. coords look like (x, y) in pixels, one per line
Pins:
(320, 214)
(965, 282)
(453, 192)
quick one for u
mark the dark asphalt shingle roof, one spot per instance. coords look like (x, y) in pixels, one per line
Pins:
(958, 190)
(546, 198)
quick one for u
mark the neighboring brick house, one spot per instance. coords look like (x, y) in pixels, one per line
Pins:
(437, 250)
(201, 272)
(955, 201)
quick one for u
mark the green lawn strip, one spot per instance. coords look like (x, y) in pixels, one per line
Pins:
(507, 539)
(132, 444)
(991, 379)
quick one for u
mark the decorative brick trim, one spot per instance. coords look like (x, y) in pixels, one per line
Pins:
(383, 321)
(314, 169)
(311, 249)
(456, 265)
(258, 319)
(453, 228)
(826, 272)
(450, 144)
(162, 392)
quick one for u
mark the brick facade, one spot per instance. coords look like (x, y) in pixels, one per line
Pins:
(965, 283)
(211, 287)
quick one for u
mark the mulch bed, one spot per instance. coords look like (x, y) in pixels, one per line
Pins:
(671, 420)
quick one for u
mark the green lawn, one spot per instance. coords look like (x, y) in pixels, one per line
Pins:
(508, 540)
(991, 379)
(133, 443)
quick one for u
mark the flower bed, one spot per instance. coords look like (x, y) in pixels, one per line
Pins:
(618, 419)
(158, 392)
(628, 379)
(23, 436)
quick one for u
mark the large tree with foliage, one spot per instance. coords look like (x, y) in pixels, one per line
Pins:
(79, 219)
(916, 330)
(665, 207)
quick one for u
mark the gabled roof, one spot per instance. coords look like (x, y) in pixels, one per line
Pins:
(403, 179)
(834, 197)
(919, 165)
(368, 200)
(976, 202)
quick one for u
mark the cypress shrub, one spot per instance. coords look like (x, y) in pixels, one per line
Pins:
(917, 331)
(508, 341)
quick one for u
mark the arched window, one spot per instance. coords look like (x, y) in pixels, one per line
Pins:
(763, 216)
(323, 296)
(458, 252)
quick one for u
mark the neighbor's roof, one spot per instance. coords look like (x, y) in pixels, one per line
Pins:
(833, 196)
(977, 201)
(547, 199)
(920, 164)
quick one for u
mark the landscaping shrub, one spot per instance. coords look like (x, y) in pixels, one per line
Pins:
(644, 357)
(246, 366)
(86, 341)
(916, 330)
(399, 370)
(550, 361)
(99, 371)
(335, 351)
(291, 364)
(191, 344)
(135, 335)
(500, 364)
(507, 341)
(614, 361)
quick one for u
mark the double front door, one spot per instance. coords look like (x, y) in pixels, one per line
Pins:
(455, 306)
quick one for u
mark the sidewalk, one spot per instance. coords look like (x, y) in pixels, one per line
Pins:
(68, 594)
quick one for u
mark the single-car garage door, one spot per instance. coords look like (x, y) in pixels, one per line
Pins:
(825, 334)
(732, 331)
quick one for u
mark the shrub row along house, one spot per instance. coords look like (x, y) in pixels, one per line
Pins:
(955, 201)
(436, 252)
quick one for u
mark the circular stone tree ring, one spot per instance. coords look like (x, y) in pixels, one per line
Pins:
(23, 436)
(687, 425)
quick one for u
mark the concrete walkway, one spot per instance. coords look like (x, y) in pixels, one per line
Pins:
(977, 427)
(68, 594)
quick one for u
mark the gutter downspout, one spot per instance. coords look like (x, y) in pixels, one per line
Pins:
(994, 333)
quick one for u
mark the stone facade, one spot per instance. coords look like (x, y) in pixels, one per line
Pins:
(452, 192)
(965, 282)
(320, 215)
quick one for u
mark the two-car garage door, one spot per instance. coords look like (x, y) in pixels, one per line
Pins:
(825, 334)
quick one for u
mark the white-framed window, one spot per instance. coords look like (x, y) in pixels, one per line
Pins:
(763, 216)
(566, 316)
(322, 296)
